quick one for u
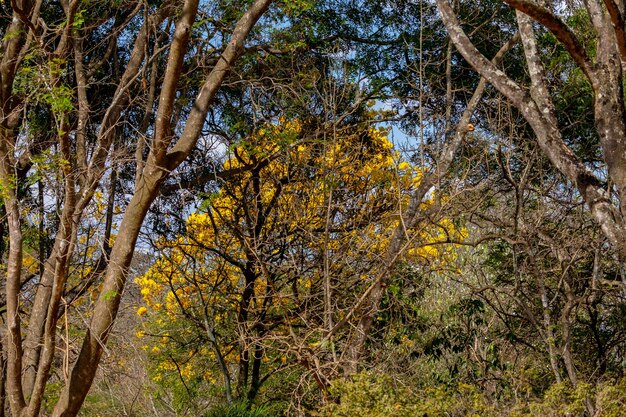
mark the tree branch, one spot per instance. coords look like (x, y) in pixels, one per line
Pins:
(559, 29)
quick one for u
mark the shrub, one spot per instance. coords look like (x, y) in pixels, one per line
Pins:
(239, 409)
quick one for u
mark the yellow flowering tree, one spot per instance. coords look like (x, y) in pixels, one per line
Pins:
(278, 257)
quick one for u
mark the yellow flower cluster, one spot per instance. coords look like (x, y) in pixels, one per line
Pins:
(356, 175)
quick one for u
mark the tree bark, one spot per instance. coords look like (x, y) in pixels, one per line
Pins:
(605, 78)
(158, 166)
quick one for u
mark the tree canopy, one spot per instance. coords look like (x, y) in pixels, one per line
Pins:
(312, 207)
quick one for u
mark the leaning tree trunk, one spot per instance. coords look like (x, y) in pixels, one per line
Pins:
(162, 160)
(605, 77)
(29, 361)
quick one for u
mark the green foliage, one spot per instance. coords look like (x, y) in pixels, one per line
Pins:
(12, 35)
(368, 394)
(6, 186)
(376, 395)
(239, 409)
(561, 400)
(295, 8)
(100, 404)
(79, 19)
(611, 399)
(109, 295)
(52, 393)
(59, 99)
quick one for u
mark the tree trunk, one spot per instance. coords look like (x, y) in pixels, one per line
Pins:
(537, 108)
(159, 164)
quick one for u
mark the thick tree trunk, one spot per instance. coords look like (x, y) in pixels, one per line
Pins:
(13, 273)
(108, 303)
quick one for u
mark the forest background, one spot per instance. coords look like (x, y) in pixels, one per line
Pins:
(312, 208)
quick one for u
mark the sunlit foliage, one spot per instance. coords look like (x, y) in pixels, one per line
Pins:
(245, 283)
